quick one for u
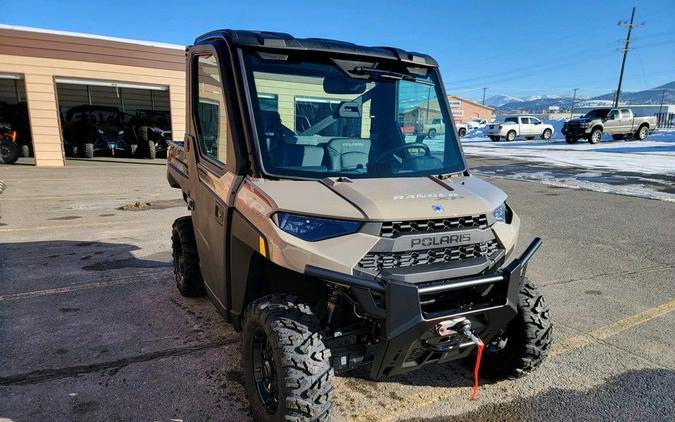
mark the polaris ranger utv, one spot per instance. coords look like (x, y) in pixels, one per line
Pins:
(331, 238)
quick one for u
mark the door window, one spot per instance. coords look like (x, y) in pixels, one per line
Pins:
(210, 111)
(614, 114)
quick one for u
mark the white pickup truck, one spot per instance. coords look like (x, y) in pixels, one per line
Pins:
(512, 126)
(436, 127)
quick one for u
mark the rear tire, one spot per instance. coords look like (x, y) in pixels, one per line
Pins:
(595, 136)
(546, 135)
(186, 258)
(528, 339)
(510, 135)
(9, 152)
(152, 150)
(88, 150)
(462, 132)
(287, 368)
(642, 133)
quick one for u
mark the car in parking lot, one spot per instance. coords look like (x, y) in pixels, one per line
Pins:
(621, 123)
(437, 127)
(513, 126)
(476, 123)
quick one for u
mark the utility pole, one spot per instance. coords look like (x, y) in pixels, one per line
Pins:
(630, 25)
(658, 122)
(484, 89)
(574, 97)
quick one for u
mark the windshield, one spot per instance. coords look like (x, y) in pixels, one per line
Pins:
(601, 112)
(316, 120)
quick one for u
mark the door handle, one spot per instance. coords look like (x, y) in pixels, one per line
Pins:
(220, 215)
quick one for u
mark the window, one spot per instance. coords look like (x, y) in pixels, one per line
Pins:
(310, 111)
(211, 114)
(330, 123)
(268, 102)
(534, 121)
(614, 114)
(511, 119)
(625, 113)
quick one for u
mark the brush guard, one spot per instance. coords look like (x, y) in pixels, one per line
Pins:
(410, 314)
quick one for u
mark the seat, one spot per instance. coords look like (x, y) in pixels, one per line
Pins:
(348, 153)
(294, 155)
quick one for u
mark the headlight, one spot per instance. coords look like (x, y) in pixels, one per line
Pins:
(500, 213)
(313, 229)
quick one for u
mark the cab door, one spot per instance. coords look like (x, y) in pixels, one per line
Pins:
(613, 122)
(213, 182)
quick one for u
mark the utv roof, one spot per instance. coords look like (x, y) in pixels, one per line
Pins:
(283, 41)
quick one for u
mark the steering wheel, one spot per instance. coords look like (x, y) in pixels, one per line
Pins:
(404, 147)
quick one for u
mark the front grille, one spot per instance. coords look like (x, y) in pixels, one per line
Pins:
(386, 260)
(397, 228)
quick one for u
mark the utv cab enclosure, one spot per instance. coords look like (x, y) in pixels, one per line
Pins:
(331, 237)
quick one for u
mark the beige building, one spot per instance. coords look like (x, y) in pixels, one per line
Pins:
(464, 110)
(46, 74)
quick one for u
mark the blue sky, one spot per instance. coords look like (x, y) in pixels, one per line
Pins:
(518, 48)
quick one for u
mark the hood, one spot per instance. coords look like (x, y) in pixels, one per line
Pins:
(580, 120)
(389, 199)
(419, 197)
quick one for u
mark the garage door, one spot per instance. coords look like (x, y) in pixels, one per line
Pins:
(100, 118)
(14, 111)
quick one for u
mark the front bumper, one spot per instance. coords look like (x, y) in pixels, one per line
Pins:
(408, 314)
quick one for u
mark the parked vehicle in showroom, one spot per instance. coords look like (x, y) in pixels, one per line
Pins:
(528, 127)
(9, 150)
(346, 242)
(90, 130)
(476, 123)
(620, 123)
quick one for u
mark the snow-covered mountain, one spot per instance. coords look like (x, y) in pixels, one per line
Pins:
(499, 100)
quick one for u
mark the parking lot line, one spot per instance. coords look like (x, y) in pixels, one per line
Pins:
(145, 276)
(612, 329)
(400, 409)
(69, 197)
(73, 226)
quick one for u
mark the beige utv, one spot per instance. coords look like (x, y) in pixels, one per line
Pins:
(331, 237)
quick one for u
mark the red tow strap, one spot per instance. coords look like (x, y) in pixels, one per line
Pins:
(476, 368)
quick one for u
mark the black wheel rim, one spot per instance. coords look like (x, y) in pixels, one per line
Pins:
(264, 372)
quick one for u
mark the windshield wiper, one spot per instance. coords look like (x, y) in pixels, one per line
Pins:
(387, 74)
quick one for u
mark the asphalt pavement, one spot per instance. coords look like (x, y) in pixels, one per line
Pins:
(92, 327)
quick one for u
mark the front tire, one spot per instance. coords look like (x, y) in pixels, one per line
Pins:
(595, 136)
(287, 369)
(152, 150)
(431, 134)
(546, 135)
(88, 150)
(462, 132)
(526, 341)
(186, 258)
(9, 152)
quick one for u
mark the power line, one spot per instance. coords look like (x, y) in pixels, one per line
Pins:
(630, 27)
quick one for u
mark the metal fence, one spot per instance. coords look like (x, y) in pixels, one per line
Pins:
(665, 120)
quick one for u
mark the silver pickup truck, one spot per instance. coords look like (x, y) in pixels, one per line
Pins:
(619, 122)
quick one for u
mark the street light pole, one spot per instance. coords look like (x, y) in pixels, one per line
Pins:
(574, 97)
(484, 89)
